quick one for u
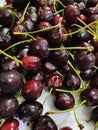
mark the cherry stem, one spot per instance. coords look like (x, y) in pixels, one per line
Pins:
(89, 48)
(18, 43)
(5, 6)
(47, 96)
(1, 122)
(25, 10)
(92, 32)
(81, 126)
(96, 126)
(68, 110)
(69, 91)
(82, 28)
(82, 82)
(37, 31)
(11, 57)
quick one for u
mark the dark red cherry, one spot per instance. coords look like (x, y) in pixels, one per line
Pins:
(39, 76)
(90, 95)
(94, 114)
(11, 81)
(45, 13)
(72, 82)
(64, 101)
(31, 63)
(49, 68)
(32, 89)
(30, 110)
(71, 13)
(85, 60)
(54, 81)
(39, 47)
(60, 57)
(56, 36)
(65, 128)
(18, 28)
(44, 123)
(8, 106)
(6, 17)
(10, 124)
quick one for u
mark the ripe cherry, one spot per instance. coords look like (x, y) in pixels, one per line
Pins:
(10, 124)
(32, 89)
(31, 63)
(54, 81)
(64, 101)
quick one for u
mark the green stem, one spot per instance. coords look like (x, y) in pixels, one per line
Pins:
(82, 28)
(69, 91)
(47, 96)
(81, 126)
(71, 48)
(96, 126)
(11, 57)
(37, 31)
(82, 82)
(25, 10)
(68, 110)
(18, 43)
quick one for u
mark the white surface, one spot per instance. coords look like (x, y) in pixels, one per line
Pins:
(67, 119)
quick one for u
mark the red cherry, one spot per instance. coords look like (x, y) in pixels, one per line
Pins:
(54, 81)
(31, 63)
(32, 89)
(66, 128)
(10, 124)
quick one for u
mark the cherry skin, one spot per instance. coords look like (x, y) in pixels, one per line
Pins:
(32, 89)
(10, 124)
(31, 63)
(54, 81)
(64, 101)
(90, 95)
(66, 128)
(30, 111)
(44, 123)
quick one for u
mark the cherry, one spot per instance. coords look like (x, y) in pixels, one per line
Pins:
(39, 76)
(39, 47)
(49, 67)
(32, 89)
(31, 63)
(71, 13)
(54, 81)
(60, 57)
(81, 36)
(72, 81)
(45, 14)
(64, 101)
(94, 114)
(44, 123)
(8, 106)
(65, 128)
(90, 95)
(30, 110)
(10, 124)
(6, 17)
(56, 36)
(11, 81)
(85, 60)
(18, 28)
(87, 74)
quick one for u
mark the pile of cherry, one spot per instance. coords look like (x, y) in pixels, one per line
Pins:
(49, 45)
